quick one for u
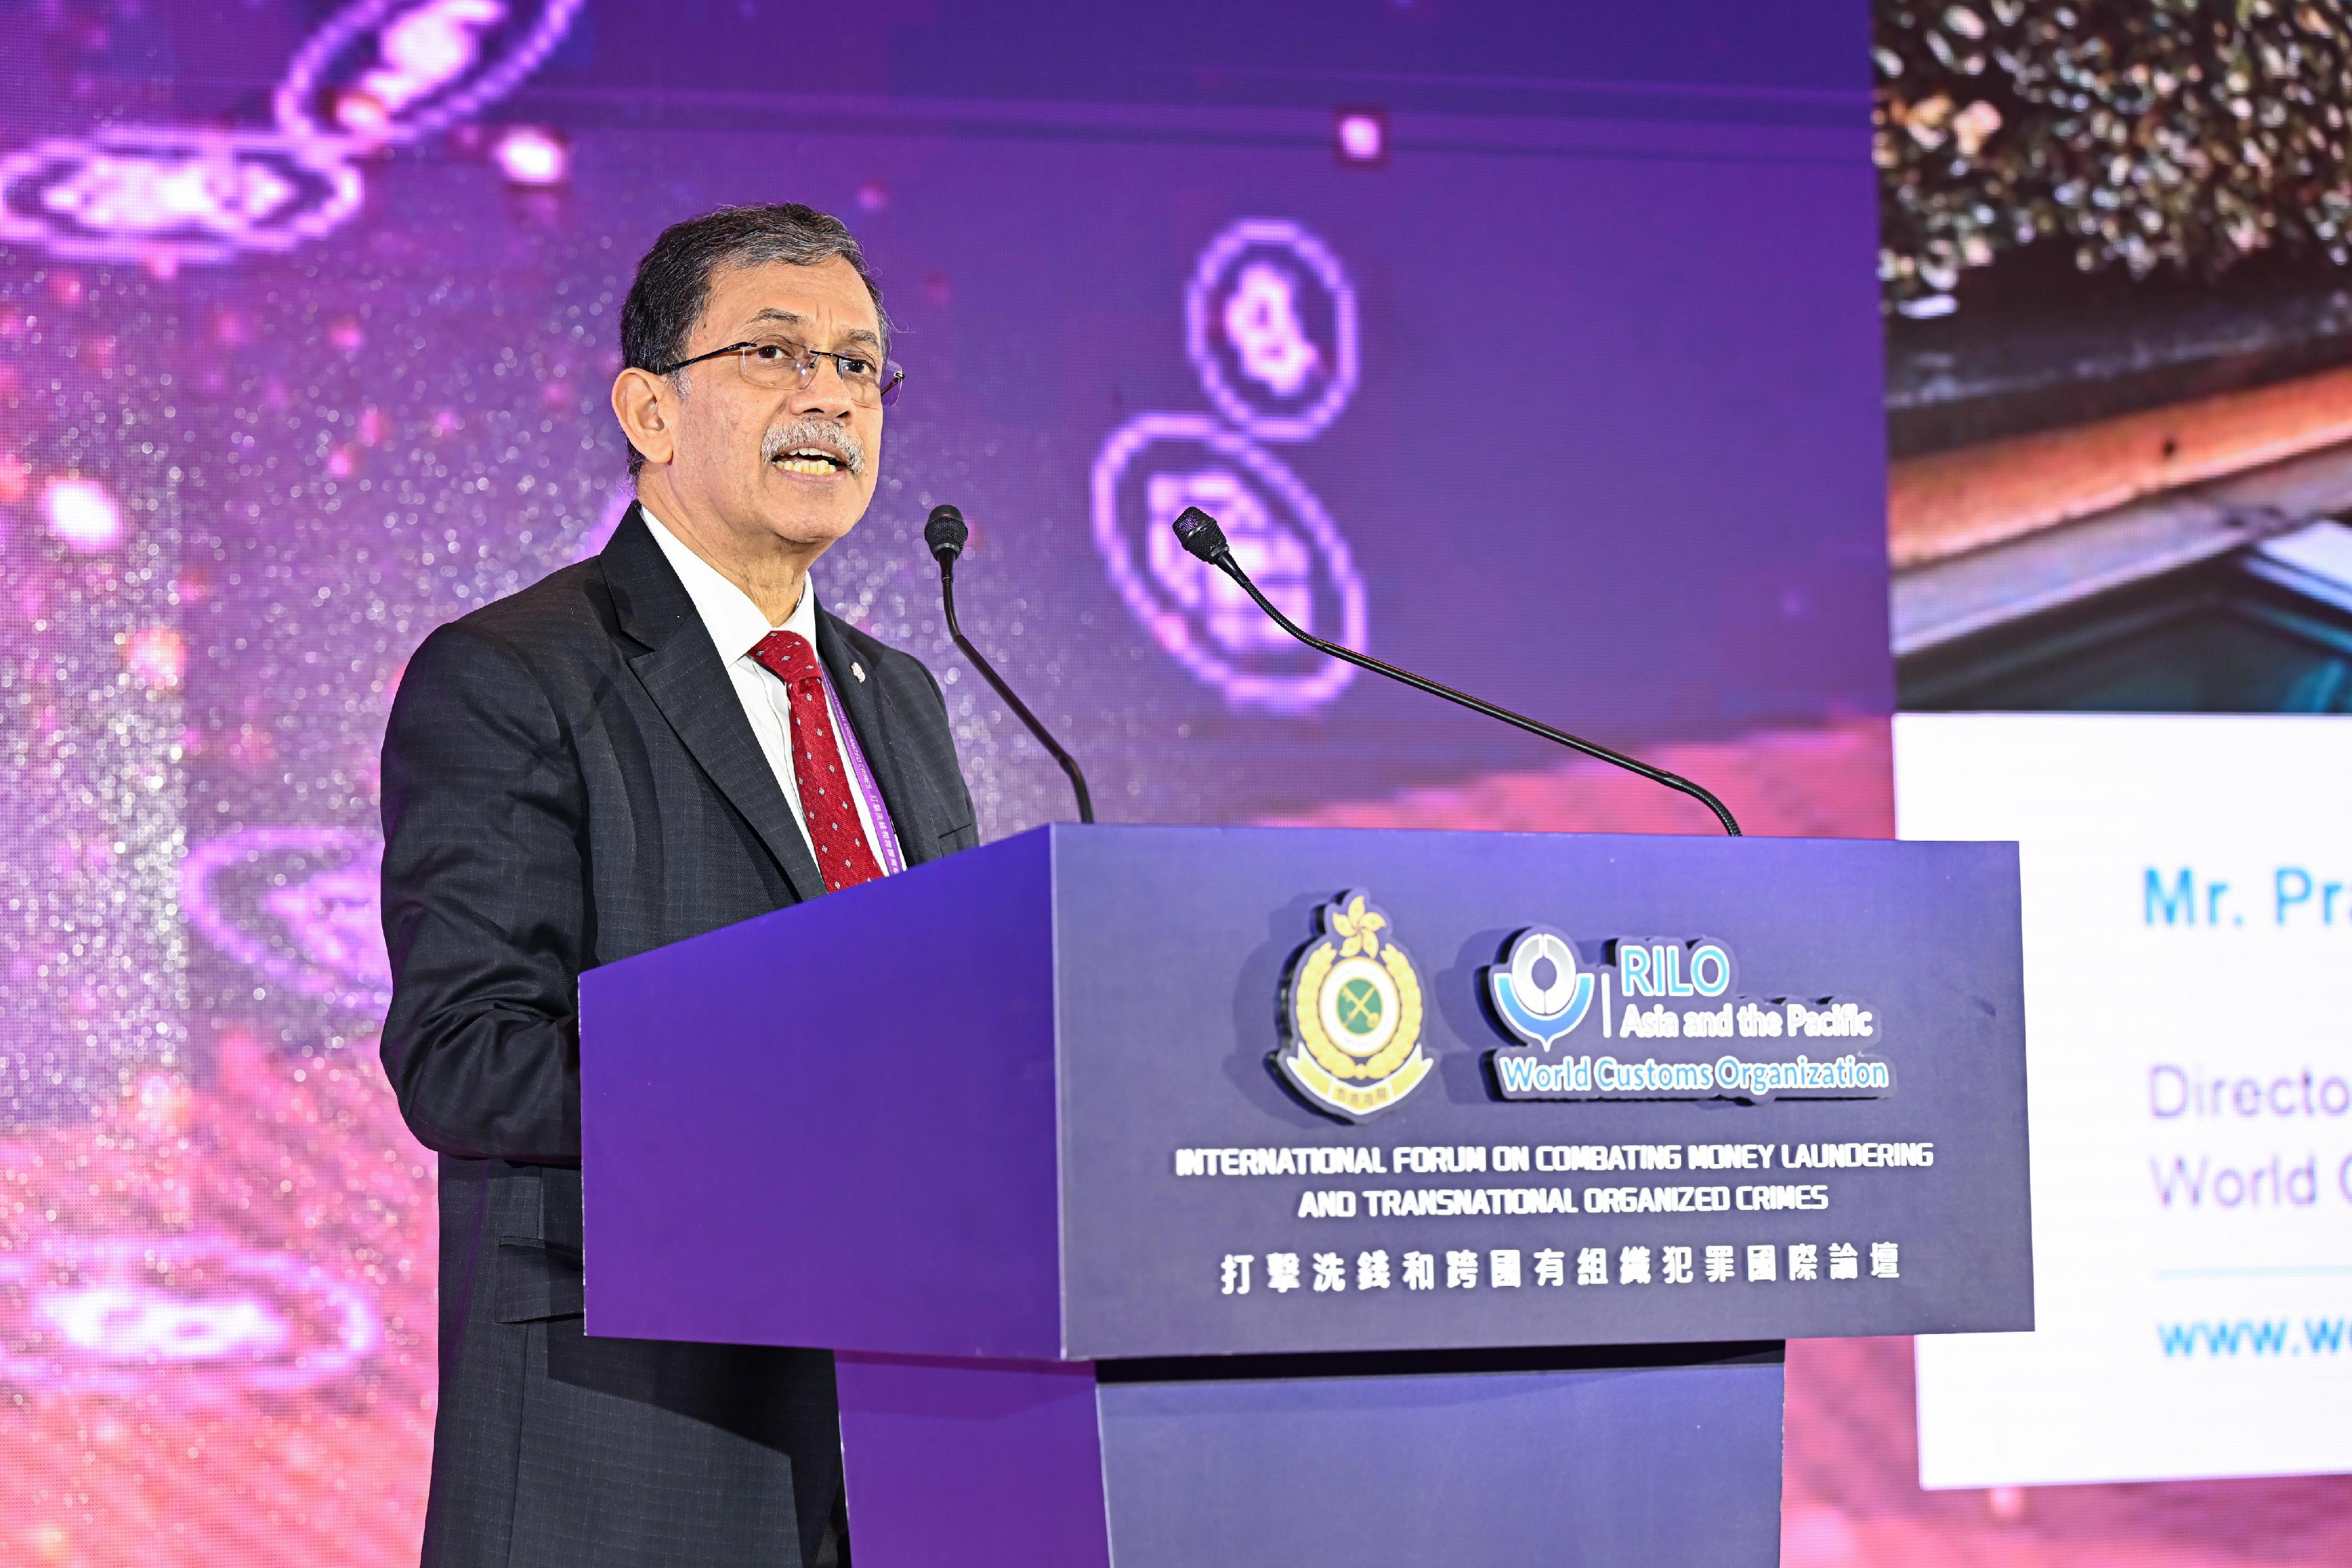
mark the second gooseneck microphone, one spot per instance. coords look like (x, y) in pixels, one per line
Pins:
(945, 533)
(1200, 535)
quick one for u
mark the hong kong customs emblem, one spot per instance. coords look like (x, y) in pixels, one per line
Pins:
(1353, 1012)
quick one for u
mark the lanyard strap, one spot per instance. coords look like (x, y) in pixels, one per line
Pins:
(885, 830)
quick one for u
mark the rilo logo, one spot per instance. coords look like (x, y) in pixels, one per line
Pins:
(1669, 990)
(1353, 1011)
(1537, 993)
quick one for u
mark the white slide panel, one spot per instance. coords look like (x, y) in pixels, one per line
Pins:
(2187, 922)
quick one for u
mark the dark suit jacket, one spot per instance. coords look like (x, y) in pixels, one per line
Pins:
(568, 779)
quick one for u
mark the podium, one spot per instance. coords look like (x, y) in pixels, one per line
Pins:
(1185, 1196)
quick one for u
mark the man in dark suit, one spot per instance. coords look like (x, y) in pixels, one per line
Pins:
(668, 739)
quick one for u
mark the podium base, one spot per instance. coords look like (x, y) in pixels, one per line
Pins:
(1642, 1457)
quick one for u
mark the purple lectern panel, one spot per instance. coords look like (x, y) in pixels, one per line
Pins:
(1651, 1090)
(834, 1125)
(982, 1463)
(1124, 1092)
(1645, 1467)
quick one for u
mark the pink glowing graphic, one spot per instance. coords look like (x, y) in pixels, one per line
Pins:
(81, 515)
(140, 1322)
(1277, 559)
(1363, 136)
(1274, 523)
(1261, 322)
(296, 904)
(381, 73)
(427, 48)
(181, 193)
(1270, 325)
(112, 1316)
(377, 74)
(527, 155)
(157, 655)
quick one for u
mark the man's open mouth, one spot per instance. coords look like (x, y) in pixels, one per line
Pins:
(818, 461)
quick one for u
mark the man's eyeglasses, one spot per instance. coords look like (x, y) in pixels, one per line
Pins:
(776, 363)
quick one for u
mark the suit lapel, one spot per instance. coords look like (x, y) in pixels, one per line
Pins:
(682, 672)
(871, 716)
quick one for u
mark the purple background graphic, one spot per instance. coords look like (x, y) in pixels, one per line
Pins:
(1280, 534)
(1614, 457)
(1301, 272)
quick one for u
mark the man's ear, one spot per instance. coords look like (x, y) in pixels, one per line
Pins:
(646, 404)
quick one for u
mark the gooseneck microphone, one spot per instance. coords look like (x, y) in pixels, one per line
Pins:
(1205, 540)
(945, 533)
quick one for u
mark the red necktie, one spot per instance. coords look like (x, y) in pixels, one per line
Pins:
(842, 856)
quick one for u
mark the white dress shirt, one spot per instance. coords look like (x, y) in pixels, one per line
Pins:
(737, 626)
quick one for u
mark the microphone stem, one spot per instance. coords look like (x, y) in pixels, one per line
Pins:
(1656, 775)
(1020, 709)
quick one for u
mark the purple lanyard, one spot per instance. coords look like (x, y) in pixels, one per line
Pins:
(893, 861)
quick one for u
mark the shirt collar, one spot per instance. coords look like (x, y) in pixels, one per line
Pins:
(735, 623)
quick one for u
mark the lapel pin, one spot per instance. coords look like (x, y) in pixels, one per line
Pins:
(857, 669)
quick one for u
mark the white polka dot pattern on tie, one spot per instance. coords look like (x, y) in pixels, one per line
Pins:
(842, 856)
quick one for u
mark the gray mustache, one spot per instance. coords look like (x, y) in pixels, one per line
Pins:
(781, 438)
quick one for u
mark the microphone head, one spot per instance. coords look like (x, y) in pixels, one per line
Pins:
(945, 533)
(1198, 533)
